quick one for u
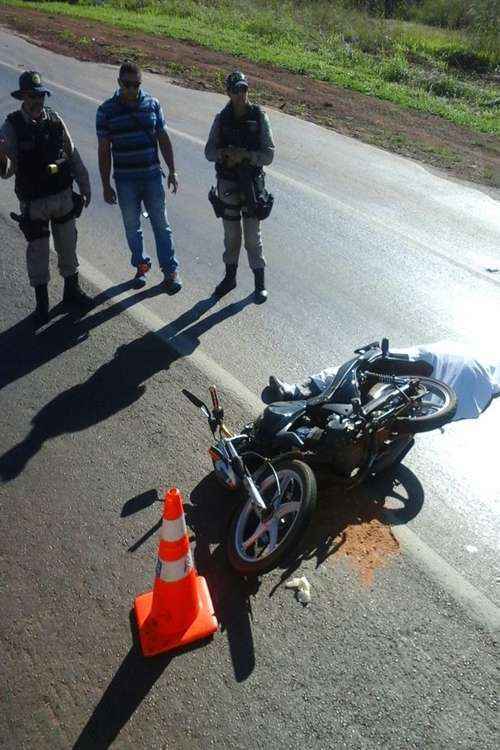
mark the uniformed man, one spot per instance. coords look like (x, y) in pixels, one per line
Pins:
(36, 147)
(241, 144)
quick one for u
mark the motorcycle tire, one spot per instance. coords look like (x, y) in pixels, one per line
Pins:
(245, 562)
(441, 414)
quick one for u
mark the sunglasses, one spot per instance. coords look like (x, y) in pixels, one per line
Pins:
(34, 96)
(130, 84)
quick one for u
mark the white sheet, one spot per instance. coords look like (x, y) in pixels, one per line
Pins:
(472, 373)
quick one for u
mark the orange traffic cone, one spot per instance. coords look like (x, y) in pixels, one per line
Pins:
(179, 609)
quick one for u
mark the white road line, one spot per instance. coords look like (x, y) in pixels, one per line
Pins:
(303, 187)
(477, 604)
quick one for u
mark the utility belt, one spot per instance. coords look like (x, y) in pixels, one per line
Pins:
(34, 229)
(249, 182)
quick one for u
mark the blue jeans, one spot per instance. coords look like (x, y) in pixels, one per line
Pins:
(150, 191)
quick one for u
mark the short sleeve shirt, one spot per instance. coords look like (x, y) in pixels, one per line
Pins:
(133, 133)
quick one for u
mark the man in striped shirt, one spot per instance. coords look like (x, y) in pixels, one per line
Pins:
(130, 130)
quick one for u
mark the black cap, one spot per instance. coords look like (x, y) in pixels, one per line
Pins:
(236, 81)
(30, 80)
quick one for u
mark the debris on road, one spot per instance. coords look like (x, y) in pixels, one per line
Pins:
(303, 589)
(353, 525)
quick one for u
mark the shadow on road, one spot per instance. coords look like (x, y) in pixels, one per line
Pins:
(208, 516)
(398, 489)
(139, 502)
(118, 383)
(124, 694)
(28, 351)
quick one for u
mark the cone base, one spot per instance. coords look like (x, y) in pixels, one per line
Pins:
(153, 632)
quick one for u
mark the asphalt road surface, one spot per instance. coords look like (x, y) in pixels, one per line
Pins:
(361, 244)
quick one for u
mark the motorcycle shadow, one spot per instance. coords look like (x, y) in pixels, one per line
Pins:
(390, 499)
(207, 515)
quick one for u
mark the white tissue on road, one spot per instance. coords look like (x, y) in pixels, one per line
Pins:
(303, 589)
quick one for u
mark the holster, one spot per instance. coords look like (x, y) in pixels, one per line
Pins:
(218, 205)
(75, 212)
(33, 229)
(258, 202)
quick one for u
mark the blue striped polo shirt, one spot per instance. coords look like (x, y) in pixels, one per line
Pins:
(134, 154)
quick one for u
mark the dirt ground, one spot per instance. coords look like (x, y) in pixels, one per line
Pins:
(428, 138)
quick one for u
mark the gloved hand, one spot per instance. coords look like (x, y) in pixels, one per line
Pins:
(234, 156)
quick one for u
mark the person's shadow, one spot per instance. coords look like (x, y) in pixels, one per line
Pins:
(24, 350)
(118, 383)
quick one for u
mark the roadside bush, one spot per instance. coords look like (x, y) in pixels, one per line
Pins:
(467, 60)
(451, 14)
(449, 88)
(395, 70)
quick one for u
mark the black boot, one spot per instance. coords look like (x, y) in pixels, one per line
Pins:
(42, 304)
(228, 282)
(260, 286)
(74, 294)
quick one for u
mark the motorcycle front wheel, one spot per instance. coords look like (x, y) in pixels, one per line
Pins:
(256, 545)
(436, 407)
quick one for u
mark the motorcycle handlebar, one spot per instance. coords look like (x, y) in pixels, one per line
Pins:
(194, 399)
(215, 397)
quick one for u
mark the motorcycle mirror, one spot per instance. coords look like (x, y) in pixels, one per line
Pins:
(196, 401)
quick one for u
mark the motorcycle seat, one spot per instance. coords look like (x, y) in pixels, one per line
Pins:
(276, 416)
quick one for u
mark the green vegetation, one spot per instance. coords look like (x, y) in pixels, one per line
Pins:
(446, 71)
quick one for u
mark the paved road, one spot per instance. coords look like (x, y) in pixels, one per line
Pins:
(363, 244)
(91, 427)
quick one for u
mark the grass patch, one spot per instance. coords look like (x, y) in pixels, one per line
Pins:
(67, 36)
(430, 69)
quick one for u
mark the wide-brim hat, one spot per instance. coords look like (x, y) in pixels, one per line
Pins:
(30, 80)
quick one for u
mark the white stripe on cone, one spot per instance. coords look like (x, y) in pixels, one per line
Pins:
(172, 531)
(176, 570)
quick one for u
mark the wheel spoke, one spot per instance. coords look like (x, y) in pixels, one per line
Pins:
(284, 484)
(267, 482)
(286, 508)
(273, 537)
(259, 531)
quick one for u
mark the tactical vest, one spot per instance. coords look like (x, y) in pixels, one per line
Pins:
(240, 132)
(38, 145)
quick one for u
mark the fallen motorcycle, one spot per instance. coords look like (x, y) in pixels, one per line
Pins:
(363, 423)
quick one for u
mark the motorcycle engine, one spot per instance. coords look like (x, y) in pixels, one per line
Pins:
(342, 445)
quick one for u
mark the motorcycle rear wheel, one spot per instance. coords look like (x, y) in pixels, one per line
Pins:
(253, 546)
(435, 409)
